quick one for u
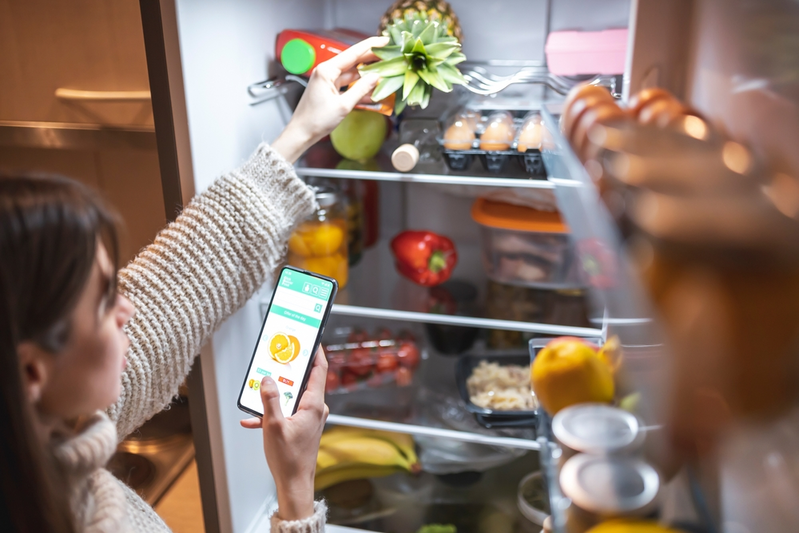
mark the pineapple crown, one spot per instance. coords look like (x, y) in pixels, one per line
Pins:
(420, 55)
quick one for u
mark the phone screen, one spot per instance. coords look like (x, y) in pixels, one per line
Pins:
(289, 338)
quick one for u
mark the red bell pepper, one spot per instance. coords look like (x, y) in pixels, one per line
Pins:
(424, 257)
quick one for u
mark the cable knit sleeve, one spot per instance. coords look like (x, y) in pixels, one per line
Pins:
(313, 524)
(198, 271)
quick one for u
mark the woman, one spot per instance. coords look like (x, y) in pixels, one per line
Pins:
(88, 355)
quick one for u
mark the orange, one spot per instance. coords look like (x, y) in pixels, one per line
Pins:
(624, 525)
(567, 372)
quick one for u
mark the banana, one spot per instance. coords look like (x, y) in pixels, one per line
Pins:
(367, 450)
(402, 441)
(334, 476)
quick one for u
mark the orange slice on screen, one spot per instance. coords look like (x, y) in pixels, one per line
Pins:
(294, 341)
(286, 355)
(278, 344)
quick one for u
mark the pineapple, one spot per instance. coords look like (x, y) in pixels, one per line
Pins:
(422, 53)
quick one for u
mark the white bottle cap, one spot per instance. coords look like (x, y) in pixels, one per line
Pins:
(405, 157)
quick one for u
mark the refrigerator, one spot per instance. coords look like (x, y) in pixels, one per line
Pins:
(208, 61)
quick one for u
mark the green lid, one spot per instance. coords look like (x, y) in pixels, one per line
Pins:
(297, 56)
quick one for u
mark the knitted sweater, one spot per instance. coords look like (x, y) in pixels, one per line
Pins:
(200, 270)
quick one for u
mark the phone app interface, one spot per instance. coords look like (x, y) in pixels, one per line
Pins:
(284, 348)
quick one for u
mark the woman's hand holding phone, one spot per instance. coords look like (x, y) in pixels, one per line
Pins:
(323, 106)
(292, 444)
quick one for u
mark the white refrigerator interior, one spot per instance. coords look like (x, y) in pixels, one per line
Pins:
(227, 45)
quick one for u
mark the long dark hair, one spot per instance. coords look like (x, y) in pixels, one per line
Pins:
(49, 232)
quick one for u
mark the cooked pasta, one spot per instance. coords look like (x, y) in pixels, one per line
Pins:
(501, 387)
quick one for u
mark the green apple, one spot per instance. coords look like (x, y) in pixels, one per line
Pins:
(360, 135)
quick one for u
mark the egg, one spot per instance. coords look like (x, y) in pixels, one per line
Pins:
(471, 118)
(584, 91)
(599, 114)
(646, 97)
(499, 132)
(571, 117)
(661, 112)
(459, 136)
(530, 137)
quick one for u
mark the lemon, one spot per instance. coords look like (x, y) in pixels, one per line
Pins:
(567, 372)
(325, 239)
(332, 266)
(297, 245)
(631, 526)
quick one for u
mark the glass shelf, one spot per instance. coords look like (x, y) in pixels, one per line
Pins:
(322, 161)
(375, 289)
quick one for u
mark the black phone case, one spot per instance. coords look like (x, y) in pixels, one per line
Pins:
(316, 344)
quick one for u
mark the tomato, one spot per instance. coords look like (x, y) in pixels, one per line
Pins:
(332, 383)
(387, 362)
(358, 335)
(335, 358)
(408, 355)
(360, 361)
(348, 379)
(404, 376)
(383, 334)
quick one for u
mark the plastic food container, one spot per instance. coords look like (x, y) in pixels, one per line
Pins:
(527, 247)
(533, 499)
(495, 138)
(364, 361)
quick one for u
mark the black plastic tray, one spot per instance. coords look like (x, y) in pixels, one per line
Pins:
(490, 417)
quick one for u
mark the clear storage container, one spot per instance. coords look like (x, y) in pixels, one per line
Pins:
(524, 246)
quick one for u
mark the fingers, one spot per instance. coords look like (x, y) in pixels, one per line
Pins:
(358, 53)
(314, 396)
(347, 78)
(270, 396)
(251, 423)
(361, 89)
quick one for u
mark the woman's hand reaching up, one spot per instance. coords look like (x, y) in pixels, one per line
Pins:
(323, 106)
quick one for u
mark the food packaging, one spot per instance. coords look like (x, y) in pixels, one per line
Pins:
(364, 361)
(300, 51)
(524, 246)
(571, 53)
(487, 417)
(495, 139)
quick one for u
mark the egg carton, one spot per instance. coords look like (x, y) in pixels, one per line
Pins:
(495, 161)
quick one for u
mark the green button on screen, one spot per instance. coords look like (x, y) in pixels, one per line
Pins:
(297, 56)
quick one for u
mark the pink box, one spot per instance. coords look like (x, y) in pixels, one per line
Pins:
(570, 53)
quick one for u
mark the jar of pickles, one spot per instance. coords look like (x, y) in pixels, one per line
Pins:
(319, 244)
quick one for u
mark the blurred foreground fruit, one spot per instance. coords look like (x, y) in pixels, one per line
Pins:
(624, 525)
(568, 372)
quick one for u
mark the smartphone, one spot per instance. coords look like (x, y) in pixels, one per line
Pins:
(290, 335)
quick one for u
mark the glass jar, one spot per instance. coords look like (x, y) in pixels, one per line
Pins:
(319, 244)
(353, 190)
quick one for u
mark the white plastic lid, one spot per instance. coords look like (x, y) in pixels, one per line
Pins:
(597, 428)
(610, 486)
